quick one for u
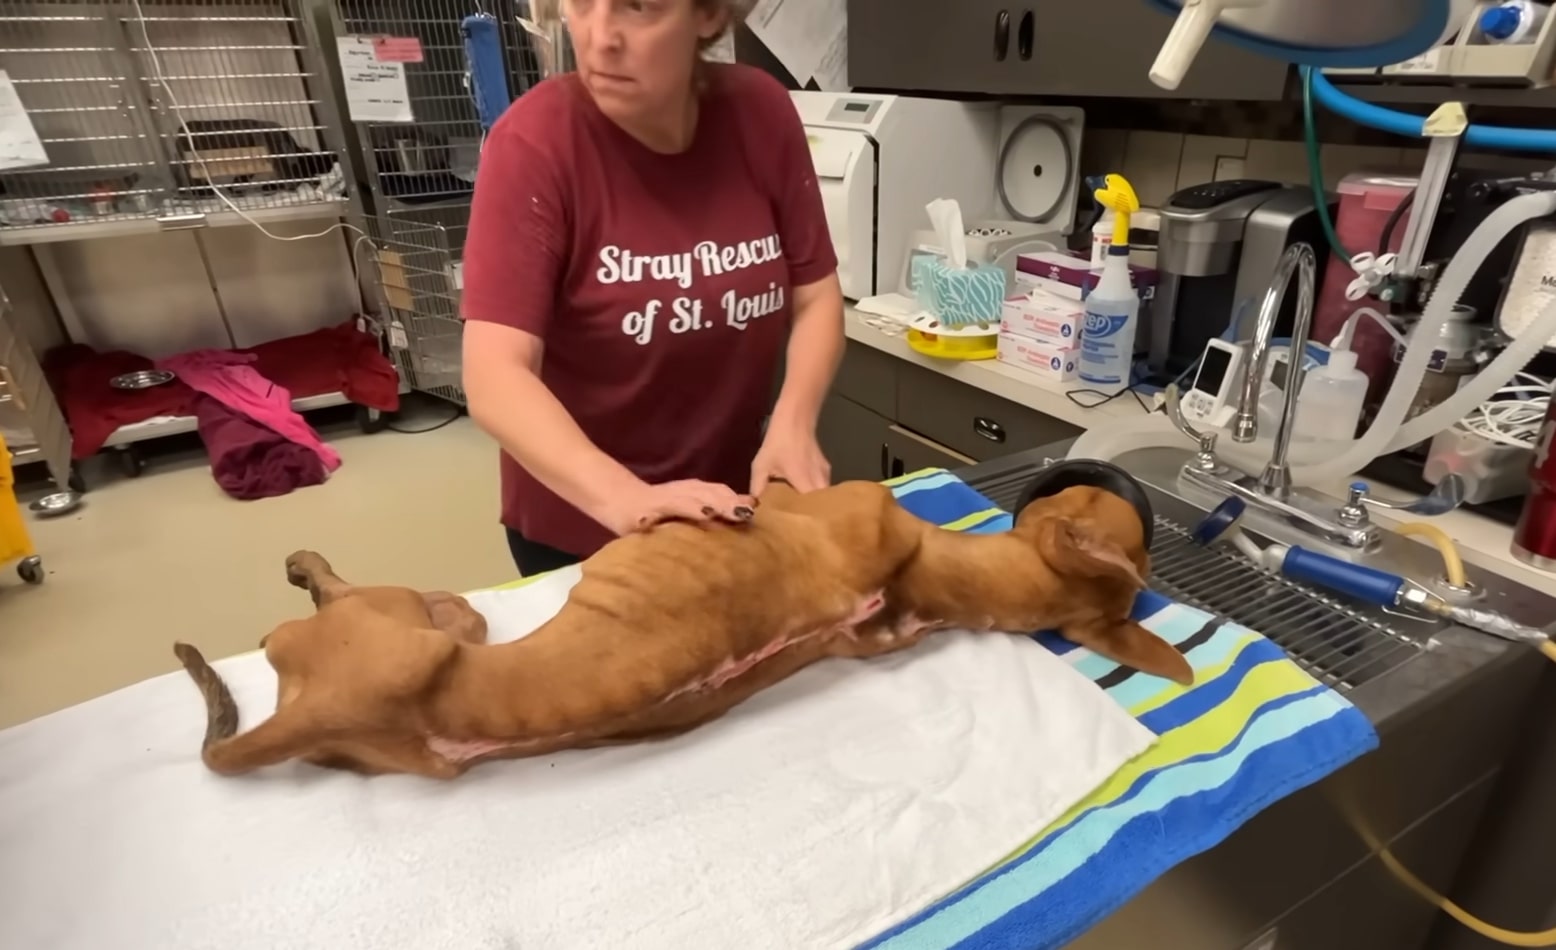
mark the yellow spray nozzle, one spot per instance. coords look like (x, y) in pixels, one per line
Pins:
(1118, 196)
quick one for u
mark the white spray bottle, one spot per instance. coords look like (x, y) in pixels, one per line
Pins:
(1112, 307)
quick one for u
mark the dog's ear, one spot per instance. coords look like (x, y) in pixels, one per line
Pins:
(1077, 549)
(1132, 645)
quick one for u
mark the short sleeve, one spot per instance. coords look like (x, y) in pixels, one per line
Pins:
(802, 219)
(517, 244)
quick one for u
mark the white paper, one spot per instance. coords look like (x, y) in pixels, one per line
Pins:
(722, 50)
(20, 146)
(832, 72)
(375, 91)
(945, 215)
(800, 32)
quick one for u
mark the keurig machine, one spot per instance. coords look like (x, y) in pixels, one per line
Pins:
(1218, 247)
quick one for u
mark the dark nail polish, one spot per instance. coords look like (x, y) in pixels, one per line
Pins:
(744, 513)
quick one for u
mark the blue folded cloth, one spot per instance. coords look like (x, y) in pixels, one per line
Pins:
(1252, 729)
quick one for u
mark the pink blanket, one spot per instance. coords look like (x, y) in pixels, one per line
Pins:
(228, 378)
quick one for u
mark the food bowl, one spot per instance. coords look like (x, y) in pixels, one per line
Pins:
(141, 379)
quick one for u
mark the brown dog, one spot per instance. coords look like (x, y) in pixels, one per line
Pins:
(672, 627)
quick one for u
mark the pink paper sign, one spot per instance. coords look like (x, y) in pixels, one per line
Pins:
(397, 49)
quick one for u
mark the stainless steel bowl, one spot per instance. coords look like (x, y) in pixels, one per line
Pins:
(59, 503)
(141, 379)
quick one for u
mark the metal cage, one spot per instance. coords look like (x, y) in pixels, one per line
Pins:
(30, 417)
(158, 114)
(422, 174)
(417, 281)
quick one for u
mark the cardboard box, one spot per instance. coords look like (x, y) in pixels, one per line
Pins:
(1073, 271)
(1045, 319)
(1048, 363)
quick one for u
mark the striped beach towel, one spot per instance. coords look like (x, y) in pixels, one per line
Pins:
(1252, 729)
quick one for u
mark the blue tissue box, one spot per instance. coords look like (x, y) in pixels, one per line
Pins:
(965, 296)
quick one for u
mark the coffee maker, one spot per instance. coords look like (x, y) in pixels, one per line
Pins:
(1218, 246)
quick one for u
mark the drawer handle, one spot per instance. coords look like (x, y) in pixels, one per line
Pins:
(1024, 36)
(989, 429)
(885, 461)
(1001, 35)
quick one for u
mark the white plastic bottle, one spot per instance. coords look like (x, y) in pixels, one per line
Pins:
(1513, 21)
(1329, 404)
(1108, 330)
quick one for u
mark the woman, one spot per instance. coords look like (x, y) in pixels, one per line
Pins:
(646, 235)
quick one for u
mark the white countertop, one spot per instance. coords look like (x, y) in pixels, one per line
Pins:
(1482, 542)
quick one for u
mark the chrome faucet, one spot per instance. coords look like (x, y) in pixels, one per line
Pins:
(1298, 258)
(1270, 493)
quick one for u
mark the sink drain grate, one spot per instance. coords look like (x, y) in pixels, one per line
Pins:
(1336, 644)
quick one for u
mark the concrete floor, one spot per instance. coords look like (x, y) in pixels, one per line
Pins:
(167, 556)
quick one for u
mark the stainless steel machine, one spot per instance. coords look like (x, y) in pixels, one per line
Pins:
(1218, 245)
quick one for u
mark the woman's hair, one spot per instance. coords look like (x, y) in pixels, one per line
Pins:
(734, 12)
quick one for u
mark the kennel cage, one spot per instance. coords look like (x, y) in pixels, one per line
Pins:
(31, 422)
(416, 280)
(158, 116)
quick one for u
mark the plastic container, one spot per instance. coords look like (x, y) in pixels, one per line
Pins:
(1515, 21)
(1108, 333)
(1329, 405)
(1366, 202)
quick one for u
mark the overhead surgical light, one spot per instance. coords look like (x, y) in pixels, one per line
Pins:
(1320, 33)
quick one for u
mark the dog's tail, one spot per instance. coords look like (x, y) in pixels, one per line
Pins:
(281, 737)
(221, 712)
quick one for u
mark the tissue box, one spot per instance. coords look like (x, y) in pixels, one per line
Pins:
(1045, 319)
(1049, 363)
(1073, 275)
(960, 297)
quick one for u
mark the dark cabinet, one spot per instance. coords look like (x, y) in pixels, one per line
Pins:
(1039, 47)
(854, 440)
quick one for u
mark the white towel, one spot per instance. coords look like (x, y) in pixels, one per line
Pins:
(819, 813)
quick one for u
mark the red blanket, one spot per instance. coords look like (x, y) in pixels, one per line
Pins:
(336, 359)
(250, 461)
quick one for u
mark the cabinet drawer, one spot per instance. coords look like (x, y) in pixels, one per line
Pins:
(854, 440)
(910, 452)
(970, 421)
(868, 377)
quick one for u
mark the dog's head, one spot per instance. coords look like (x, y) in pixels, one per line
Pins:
(1088, 532)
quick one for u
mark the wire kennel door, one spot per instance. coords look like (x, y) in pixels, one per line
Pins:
(417, 282)
(423, 173)
(143, 107)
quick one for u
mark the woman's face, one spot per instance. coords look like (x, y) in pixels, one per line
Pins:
(636, 56)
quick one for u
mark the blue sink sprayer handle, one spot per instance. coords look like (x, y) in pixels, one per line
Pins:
(1367, 584)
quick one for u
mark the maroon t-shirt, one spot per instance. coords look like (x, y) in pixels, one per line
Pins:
(661, 284)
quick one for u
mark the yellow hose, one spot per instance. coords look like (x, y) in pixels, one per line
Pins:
(1452, 563)
(1510, 938)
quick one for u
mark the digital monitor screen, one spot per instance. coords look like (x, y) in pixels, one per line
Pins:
(856, 107)
(1212, 369)
(1278, 372)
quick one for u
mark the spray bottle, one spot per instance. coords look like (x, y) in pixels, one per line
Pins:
(1112, 307)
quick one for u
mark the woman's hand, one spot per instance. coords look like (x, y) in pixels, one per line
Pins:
(792, 454)
(688, 500)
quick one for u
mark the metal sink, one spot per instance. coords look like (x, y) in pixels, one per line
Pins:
(1341, 644)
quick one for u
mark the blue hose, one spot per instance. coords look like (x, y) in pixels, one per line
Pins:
(1412, 126)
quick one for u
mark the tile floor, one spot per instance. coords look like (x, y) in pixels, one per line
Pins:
(168, 556)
